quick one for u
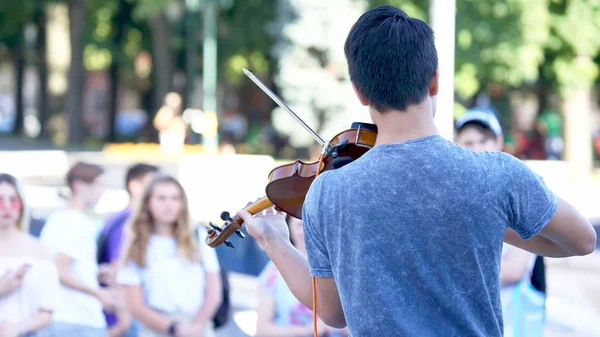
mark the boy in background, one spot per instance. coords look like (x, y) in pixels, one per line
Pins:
(110, 243)
(479, 130)
(72, 233)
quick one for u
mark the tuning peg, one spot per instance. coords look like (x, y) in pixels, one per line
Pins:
(211, 233)
(229, 244)
(215, 227)
(225, 216)
(240, 234)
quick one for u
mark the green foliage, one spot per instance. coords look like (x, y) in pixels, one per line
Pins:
(14, 15)
(417, 9)
(99, 50)
(575, 42)
(144, 9)
(499, 42)
(243, 41)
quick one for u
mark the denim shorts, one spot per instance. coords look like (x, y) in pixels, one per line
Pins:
(59, 329)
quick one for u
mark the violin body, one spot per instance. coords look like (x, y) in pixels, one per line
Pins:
(289, 183)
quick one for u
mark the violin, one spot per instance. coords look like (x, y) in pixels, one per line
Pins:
(289, 183)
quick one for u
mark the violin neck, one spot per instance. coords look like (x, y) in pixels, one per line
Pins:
(260, 205)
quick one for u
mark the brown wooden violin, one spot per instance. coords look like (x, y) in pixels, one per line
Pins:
(289, 183)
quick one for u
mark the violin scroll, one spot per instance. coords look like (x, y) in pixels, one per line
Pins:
(218, 235)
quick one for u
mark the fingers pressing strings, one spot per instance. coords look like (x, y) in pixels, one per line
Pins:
(273, 210)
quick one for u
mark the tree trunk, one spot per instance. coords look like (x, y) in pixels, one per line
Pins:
(43, 108)
(76, 72)
(191, 52)
(113, 104)
(161, 59)
(578, 130)
(120, 18)
(19, 80)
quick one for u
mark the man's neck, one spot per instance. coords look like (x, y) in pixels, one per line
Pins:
(396, 126)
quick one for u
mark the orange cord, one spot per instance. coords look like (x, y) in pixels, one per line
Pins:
(314, 280)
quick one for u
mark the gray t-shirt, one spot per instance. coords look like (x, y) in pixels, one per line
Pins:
(412, 232)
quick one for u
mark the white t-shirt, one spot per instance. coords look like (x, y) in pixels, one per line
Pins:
(74, 234)
(171, 284)
(39, 290)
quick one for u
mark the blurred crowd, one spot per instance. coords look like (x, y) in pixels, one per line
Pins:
(146, 270)
(140, 272)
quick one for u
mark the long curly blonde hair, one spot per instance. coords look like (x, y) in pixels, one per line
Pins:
(141, 226)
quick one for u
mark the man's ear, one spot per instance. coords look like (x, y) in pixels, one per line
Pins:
(361, 98)
(434, 86)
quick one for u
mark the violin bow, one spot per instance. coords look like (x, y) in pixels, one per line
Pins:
(318, 138)
(284, 106)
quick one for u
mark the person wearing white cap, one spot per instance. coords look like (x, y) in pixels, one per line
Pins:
(479, 130)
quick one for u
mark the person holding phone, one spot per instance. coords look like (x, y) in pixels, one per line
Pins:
(28, 276)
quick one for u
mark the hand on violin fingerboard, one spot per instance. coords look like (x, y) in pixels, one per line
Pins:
(265, 224)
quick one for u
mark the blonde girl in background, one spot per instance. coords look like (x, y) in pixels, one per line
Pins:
(172, 284)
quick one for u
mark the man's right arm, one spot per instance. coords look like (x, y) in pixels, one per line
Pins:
(541, 222)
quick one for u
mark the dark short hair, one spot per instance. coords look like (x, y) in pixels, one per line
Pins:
(138, 171)
(83, 171)
(391, 58)
(486, 131)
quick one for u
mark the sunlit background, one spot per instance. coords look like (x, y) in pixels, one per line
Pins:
(85, 79)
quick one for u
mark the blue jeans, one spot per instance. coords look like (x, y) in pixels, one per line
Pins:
(59, 329)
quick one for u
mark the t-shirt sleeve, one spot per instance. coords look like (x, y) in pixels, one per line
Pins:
(63, 234)
(208, 254)
(318, 255)
(129, 275)
(531, 203)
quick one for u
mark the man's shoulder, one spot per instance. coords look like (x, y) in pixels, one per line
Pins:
(488, 161)
(505, 163)
(326, 180)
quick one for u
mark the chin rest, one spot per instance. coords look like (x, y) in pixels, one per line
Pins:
(365, 126)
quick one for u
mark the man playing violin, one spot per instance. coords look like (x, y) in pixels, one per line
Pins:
(407, 239)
